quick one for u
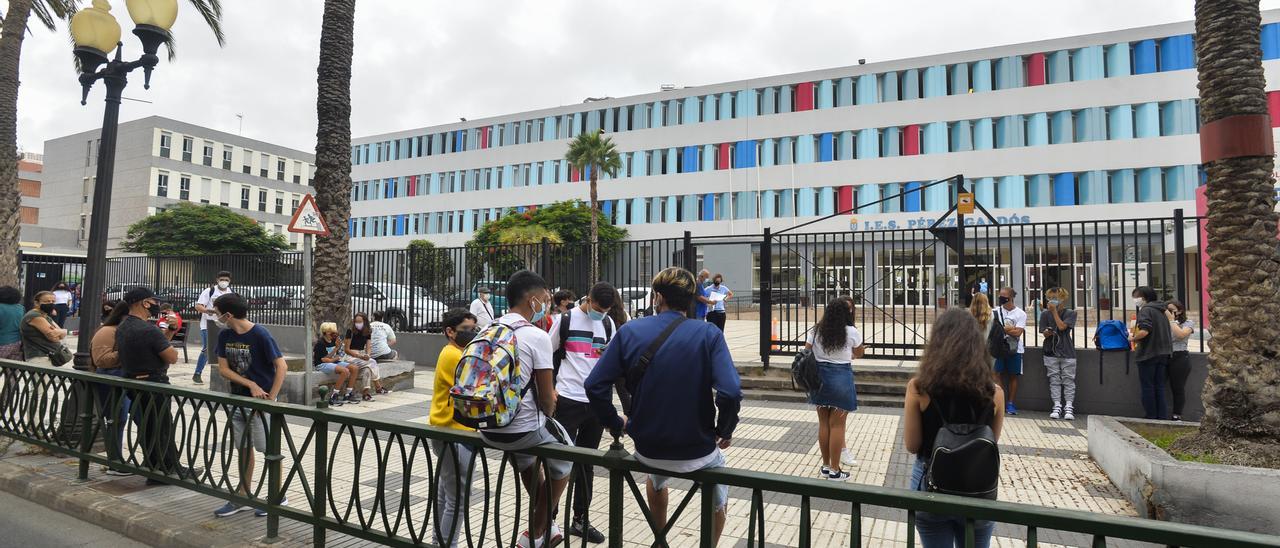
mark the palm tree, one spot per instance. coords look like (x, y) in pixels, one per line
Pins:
(12, 32)
(594, 153)
(331, 282)
(1242, 394)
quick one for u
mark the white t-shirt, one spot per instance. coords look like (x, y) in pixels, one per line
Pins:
(206, 299)
(837, 355)
(1013, 318)
(380, 339)
(534, 346)
(483, 312)
(61, 296)
(585, 344)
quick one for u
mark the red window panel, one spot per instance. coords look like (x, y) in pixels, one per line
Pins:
(484, 137)
(911, 140)
(724, 162)
(844, 198)
(413, 185)
(574, 175)
(1273, 107)
(1035, 69)
(804, 96)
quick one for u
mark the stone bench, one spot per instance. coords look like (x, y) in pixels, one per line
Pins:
(396, 375)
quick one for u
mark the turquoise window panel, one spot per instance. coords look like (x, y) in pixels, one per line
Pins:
(726, 106)
(1093, 187)
(468, 223)
(1063, 129)
(766, 153)
(960, 79)
(1012, 191)
(623, 213)
(1120, 122)
(1058, 69)
(768, 204)
(889, 87)
(844, 92)
(709, 108)
(1088, 63)
(1091, 125)
(1037, 129)
(868, 194)
(910, 84)
(673, 112)
(891, 142)
(826, 94)
(785, 95)
(639, 164)
(981, 77)
(673, 158)
(747, 103)
(868, 90)
(935, 82)
(1064, 189)
(726, 206)
(657, 111)
(745, 154)
(787, 204)
(787, 157)
(984, 191)
(937, 198)
(548, 172)
(746, 205)
(1122, 186)
(935, 138)
(984, 134)
(1150, 184)
(624, 120)
(1118, 60)
(769, 101)
(1177, 53)
(804, 149)
(672, 209)
(892, 206)
(639, 209)
(593, 122)
(1270, 41)
(961, 136)
(806, 205)
(564, 171)
(575, 128)
(912, 199)
(1010, 132)
(1178, 117)
(508, 177)
(690, 209)
(1146, 120)
(868, 143)
(689, 114)
(1009, 72)
(1144, 57)
(640, 114)
(844, 146)
(826, 147)
(826, 201)
(1180, 182)
(1039, 191)
(434, 185)
(708, 157)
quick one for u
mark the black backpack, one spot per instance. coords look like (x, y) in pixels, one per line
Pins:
(965, 460)
(804, 371)
(559, 354)
(999, 344)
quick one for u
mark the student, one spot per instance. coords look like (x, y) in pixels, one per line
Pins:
(382, 337)
(104, 357)
(1180, 359)
(953, 384)
(1014, 321)
(327, 357)
(204, 305)
(717, 314)
(835, 343)
(482, 309)
(577, 338)
(1057, 326)
(529, 302)
(40, 334)
(11, 314)
(562, 301)
(453, 480)
(674, 421)
(62, 298)
(980, 309)
(254, 367)
(1153, 339)
(356, 349)
(168, 317)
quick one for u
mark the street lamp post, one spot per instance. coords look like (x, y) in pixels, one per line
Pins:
(96, 33)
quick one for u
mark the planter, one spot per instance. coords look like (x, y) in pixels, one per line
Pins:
(1104, 303)
(1162, 487)
(942, 302)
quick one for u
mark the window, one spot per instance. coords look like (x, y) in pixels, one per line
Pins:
(296, 200)
(88, 153)
(84, 226)
(226, 157)
(188, 144)
(279, 169)
(279, 203)
(206, 186)
(297, 172)
(162, 185)
(248, 162)
(225, 195)
(166, 144)
(244, 197)
(184, 187)
(264, 165)
(262, 199)
(208, 154)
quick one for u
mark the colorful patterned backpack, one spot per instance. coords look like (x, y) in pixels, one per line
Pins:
(488, 384)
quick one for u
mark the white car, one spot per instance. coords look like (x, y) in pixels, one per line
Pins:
(407, 307)
(637, 300)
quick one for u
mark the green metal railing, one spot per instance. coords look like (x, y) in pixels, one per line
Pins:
(182, 436)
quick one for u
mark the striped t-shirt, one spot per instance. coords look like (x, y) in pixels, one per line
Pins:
(583, 346)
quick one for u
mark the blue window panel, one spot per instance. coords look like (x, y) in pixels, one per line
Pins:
(690, 208)
(433, 186)
(826, 94)
(1178, 117)
(844, 92)
(459, 141)
(1181, 182)
(1271, 41)
(1120, 122)
(708, 207)
(935, 138)
(1039, 191)
(768, 204)
(1093, 187)
(586, 173)
(708, 157)
(1058, 67)
(806, 205)
(787, 157)
(984, 191)
(937, 198)
(911, 200)
(1064, 189)
(1122, 186)
(1150, 185)
(1177, 53)
(1088, 63)
(804, 149)
(889, 87)
(1063, 128)
(351, 227)
(910, 84)
(766, 153)
(1091, 125)
(1118, 60)
(867, 194)
(935, 82)
(672, 210)
(726, 105)
(1009, 72)
(655, 114)
(1011, 192)
(826, 147)
(1037, 129)
(744, 154)
(895, 205)
(672, 159)
(689, 159)
(984, 134)
(891, 145)
(868, 143)
(868, 90)
(826, 201)
(844, 145)
(1010, 132)
(1146, 120)
(961, 136)
(639, 206)
(606, 207)
(508, 177)
(785, 94)
(960, 79)
(709, 108)
(1144, 57)
(769, 101)
(747, 103)
(981, 77)
(690, 111)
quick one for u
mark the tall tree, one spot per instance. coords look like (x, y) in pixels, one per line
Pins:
(1242, 394)
(12, 32)
(331, 273)
(594, 153)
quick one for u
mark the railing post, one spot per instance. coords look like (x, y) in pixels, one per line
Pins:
(707, 519)
(86, 430)
(320, 491)
(1180, 257)
(274, 432)
(690, 263)
(766, 297)
(616, 491)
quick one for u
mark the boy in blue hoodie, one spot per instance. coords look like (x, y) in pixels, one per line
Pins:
(674, 420)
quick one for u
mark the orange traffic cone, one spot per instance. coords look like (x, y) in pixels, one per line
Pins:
(773, 334)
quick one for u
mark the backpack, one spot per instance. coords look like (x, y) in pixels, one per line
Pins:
(488, 384)
(804, 371)
(999, 344)
(965, 461)
(1112, 335)
(559, 354)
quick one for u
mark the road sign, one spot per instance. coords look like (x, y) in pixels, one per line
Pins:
(964, 203)
(307, 218)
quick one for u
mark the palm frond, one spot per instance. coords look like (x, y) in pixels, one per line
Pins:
(211, 12)
(42, 14)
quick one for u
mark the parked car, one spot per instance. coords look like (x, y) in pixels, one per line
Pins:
(637, 300)
(115, 292)
(407, 308)
(180, 297)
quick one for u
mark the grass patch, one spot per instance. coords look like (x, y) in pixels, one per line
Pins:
(1164, 438)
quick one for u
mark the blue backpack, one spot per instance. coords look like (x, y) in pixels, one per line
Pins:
(1112, 335)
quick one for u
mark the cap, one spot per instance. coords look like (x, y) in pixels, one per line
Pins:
(138, 294)
(483, 289)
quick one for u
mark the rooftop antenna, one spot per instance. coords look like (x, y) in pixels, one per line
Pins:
(241, 118)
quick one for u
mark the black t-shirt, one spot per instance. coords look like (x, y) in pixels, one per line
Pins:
(139, 344)
(358, 339)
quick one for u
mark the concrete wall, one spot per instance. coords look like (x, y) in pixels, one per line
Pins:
(1118, 393)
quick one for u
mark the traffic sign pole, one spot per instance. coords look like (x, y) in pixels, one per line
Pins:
(309, 322)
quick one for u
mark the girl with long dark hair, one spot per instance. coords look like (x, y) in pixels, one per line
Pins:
(356, 347)
(1180, 362)
(835, 343)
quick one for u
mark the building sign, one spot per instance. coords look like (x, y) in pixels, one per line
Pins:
(964, 203)
(895, 223)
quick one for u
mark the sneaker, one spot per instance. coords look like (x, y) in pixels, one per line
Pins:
(1177, 417)
(352, 399)
(118, 473)
(1069, 414)
(838, 476)
(196, 379)
(825, 471)
(262, 512)
(367, 397)
(846, 458)
(335, 401)
(1009, 409)
(1056, 413)
(227, 510)
(383, 390)
(526, 542)
(582, 528)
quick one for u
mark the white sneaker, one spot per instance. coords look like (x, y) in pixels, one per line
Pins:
(846, 458)
(1069, 415)
(1056, 413)
(526, 542)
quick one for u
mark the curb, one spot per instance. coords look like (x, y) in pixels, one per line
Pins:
(79, 500)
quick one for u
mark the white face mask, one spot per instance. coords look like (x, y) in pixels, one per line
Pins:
(484, 297)
(359, 326)
(223, 284)
(1138, 302)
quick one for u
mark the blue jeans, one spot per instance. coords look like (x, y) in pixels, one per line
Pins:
(1151, 375)
(942, 531)
(204, 345)
(113, 423)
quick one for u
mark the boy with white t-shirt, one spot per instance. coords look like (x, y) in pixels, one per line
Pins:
(1014, 321)
(204, 305)
(530, 301)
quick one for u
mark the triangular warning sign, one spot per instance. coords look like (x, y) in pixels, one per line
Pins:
(307, 218)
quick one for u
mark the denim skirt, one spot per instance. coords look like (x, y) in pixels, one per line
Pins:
(837, 388)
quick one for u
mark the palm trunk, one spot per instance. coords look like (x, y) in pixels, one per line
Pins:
(1242, 394)
(332, 270)
(11, 35)
(595, 228)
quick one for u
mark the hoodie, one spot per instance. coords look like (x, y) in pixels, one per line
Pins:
(1159, 339)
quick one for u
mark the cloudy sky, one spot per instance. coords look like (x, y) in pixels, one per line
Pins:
(419, 62)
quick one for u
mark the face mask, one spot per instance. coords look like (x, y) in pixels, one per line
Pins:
(223, 285)
(463, 338)
(153, 311)
(484, 297)
(1138, 302)
(1054, 302)
(47, 308)
(595, 316)
(717, 282)
(359, 326)
(540, 313)
(1003, 300)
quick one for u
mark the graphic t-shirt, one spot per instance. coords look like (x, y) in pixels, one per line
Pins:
(534, 347)
(582, 350)
(379, 342)
(251, 355)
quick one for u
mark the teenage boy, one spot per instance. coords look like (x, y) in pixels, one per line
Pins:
(674, 420)
(577, 338)
(204, 305)
(1014, 321)
(529, 302)
(252, 363)
(454, 477)
(1058, 325)
(1154, 344)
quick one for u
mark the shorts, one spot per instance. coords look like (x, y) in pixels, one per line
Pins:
(257, 423)
(330, 368)
(1011, 365)
(543, 436)
(722, 491)
(837, 390)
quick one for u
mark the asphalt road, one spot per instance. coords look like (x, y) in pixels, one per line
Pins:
(27, 524)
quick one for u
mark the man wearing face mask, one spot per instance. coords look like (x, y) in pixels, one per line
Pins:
(577, 339)
(459, 326)
(1057, 325)
(482, 309)
(1154, 342)
(1014, 321)
(204, 305)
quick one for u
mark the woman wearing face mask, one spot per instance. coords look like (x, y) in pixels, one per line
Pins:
(459, 327)
(61, 303)
(1058, 325)
(357, 353)
(41, 335)
(107, 307)
(835, 344)
(717, 314)
(1180, 362)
